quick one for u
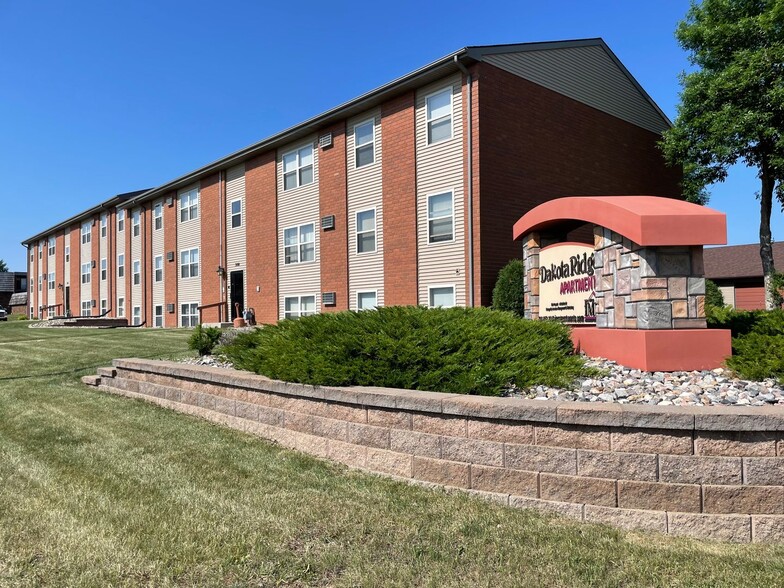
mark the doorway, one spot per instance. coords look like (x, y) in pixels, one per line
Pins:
(67, 302)
(236, 293)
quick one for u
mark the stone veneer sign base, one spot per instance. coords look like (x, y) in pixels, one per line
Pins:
(711, 472)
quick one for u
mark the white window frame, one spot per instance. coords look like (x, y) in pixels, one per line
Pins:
(136, 315)
(41, 250)
(158, 268)
(50, 282)
(429, 120)
(136, 272)
(438, 286)
(104, 222)
(374, 292)
(104, 305)
(299, 168)
(189, 205)
(372, 144)
(104, 269)
(233, 214)
(136, 223)
(89, 271)
(358, 232)
(298, 313)
(157, 216)
(430, 219)
(187, 263)
(192, 314)
(158, 316)
(86, 234)
(67, 254)
(121, 306)
(300, 244)
(86, 308)
(40, 283)
(121, 265)
(121, 220)
(50, 246)
(32, 254)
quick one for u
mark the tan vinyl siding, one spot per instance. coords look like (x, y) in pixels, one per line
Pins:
(103, 250)
(85, 256)
(158, 294)
(188, 237)
(728, 292)
(51, 267)
(120, 249)
(365, 270)
(236, 242)
(67, 264)
(439, 168)
(296, 207)
(136, 254)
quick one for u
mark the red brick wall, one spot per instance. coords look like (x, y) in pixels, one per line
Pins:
(95, 263)
(59, 272)
(147, 266)
(262, 237)
(76, 277)
(398, 179)
(475, 182)
(542, 145)
(170, 267)
(209, 252)
(45, 283)
(111, 262)
(128, 265)
(333, 200)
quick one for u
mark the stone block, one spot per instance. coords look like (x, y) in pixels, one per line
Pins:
(577, 489)
(685, 469)
(767, 529)
(623, 279)
(607, 282)
(625, 261)
(393, 419)
(566, 509)
(598, 259)
(389, 462)
(598, 414)
(676, 287)
(369, 435)
(735, 443)
(616, 465)
(654, 315)
(734, 528)
(630, 310)
(347, 453)
(501, 431)
(573, 436)
(700, 302)
(743, 499)
(619, 312)
(680, 309)
(765, 471)
(270, 416)
(534, 458)
(649, 294)
(675, 442)
(648, 263)
(659, 496)
(611, 318)
(633, 519)
(454, 426)
(646, 283)
(312, 445)
(674, 264)
(415, 443)
(517, 482)
(635, 280)
(609, 301)
(440, 471)
(697, 261)
(472, 451)
(696, 286)
(224, 405)
(689, 324)
(601, 320)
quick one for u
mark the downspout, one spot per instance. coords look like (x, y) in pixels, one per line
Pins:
(470, 189)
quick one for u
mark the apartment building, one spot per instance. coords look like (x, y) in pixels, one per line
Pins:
(404, 195)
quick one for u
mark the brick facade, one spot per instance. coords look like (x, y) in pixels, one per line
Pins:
(262, 237)
(211, 216)
(170, 265)
(76, 278)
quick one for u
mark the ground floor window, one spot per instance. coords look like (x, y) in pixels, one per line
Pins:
(87, 307)
(137, 315)
(297, 306)
(159, 315)
(189, 314)
(366, 300)
(121, 307)
(104, 305)
(441, 296)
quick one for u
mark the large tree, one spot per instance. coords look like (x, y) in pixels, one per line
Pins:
(732, 104)
(3, 266)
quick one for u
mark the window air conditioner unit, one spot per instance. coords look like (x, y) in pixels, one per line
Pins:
(328, 298)
(169, 201)
(328, 222)
(93, 262)
(170, 308)
(170, 256)
(93, 303)
(325, 140)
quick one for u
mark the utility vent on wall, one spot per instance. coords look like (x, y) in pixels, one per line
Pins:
(170, 256)
(325, 140)
(328, 298)
(328, 222)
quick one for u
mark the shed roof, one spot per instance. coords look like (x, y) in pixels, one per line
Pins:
(738, 261)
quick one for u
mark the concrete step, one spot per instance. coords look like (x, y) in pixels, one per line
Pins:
(92, 380)
(107, 372)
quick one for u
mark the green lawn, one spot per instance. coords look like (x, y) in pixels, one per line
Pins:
(97, 490)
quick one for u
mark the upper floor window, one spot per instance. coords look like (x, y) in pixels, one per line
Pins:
(103, 226)
(440, 220)
(236, 213)
(159, 268)
(50, 281)
(67, 253)
(121, 265)
(41, 278)
(86, 228)
(189, 263)
(50, 246)
(136, 222)
(364, 143)
(298, 167)
(189, 205)
(120, 220)
(439, 116)
(103, 269)
(137, 272)
(86, 273)
(366, 231)
(157, 216)
(300, 244)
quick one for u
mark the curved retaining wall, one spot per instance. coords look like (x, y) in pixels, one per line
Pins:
(709, 472)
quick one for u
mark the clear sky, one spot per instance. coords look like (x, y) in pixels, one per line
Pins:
(99, 98)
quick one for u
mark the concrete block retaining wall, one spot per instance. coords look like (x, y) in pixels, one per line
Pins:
(711, 472)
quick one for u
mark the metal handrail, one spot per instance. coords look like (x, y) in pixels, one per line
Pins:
(219, 305)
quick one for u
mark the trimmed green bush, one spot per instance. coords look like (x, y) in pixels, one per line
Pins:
(461, 350)
(204, 339)
(713, 296)
(509, 288)
(757, 340)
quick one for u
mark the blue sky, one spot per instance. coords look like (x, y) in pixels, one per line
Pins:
(100, 98)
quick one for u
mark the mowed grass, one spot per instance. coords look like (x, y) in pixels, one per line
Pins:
(97, 490)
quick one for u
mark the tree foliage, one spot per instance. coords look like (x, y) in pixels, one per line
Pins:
(713, 296)
(509, 288)
(3, 266)
(732, 104)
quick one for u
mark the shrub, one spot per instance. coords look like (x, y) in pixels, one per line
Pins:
(461, 350)
(713, 296)
(758, 340)
(204, 339)
(509, 288)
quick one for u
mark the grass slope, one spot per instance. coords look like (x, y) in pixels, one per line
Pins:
(105, 491)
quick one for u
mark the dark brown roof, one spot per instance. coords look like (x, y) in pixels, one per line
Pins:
(738, 261)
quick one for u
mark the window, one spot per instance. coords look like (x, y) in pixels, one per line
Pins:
(50, 246)
(137, 315)
(298, 168)
(87, 308)
(137, 272)
(121, 265)
(189, 205)
(40, 282)
(366, 231)
(103, 270)
(32, 255)
(297, 306)
(366, 300)
(159, 268)
(300, 244)
(439, 116)
(86, 228)
(364, 143)
(50, 281)
(104, 305)
(236, 213)
(158, 315)
(189, 314)
(121, 307)
(157, 216)
(120, 221)
(441, 296)
(67, 254)
(136, 222)
(40, 250)
(103, 226)
(439, 218)
(86, 273)
(189, 263)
